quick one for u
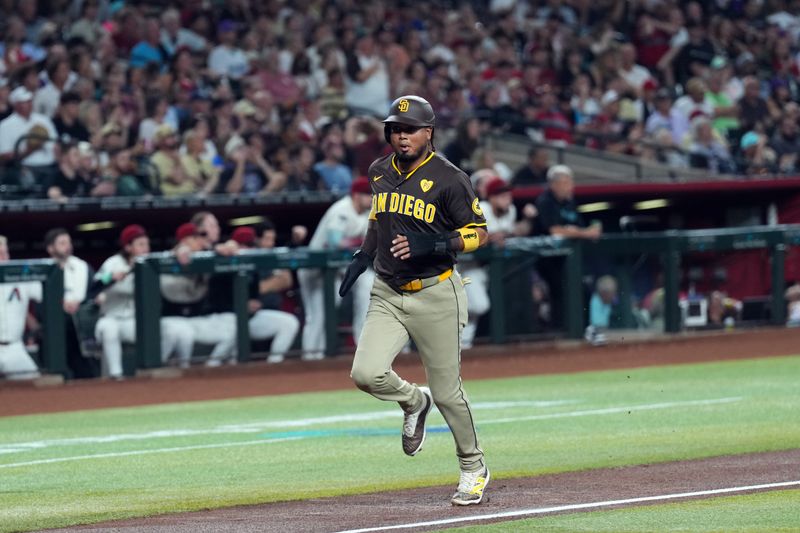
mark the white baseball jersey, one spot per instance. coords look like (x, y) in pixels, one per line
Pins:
(14, 299)
(499, 224)
(76, 279)
(339, 224)
(118, 301)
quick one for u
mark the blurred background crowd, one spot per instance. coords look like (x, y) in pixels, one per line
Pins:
(244, 97)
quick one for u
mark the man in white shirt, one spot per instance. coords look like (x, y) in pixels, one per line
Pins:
(501, 222)
(367, 86)
(342, 226)
(687, 106)
(174, 37)
(633, 74)
(77, 278)
(47, 99)
(117, 307)
(15, 362)
(33, 153)
(227, 60)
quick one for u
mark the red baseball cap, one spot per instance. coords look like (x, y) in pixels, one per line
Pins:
(650, 85)
(497, 186)
(244, 235)
(186, 230)
(360, 185)
(131, 233)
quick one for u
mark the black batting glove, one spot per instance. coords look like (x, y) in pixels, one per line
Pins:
(419, 244)
(361, 260)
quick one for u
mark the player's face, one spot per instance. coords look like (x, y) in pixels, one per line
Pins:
(62, 247)
(267, 240)
(409, 142)
(362, 202)
(501, 202)
(139, 246)
(562, 187)
(210, 228)
(4, 252)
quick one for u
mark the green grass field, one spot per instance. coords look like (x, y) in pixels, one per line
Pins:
(89, 466)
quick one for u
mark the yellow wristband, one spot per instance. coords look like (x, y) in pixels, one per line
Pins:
(470, 238)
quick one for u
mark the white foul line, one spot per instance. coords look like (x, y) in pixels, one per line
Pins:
(145, 452)
(611, 410)
(574, 507)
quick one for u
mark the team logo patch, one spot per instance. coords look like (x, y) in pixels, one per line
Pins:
(403, 106)
(426, 185)
(476, 207)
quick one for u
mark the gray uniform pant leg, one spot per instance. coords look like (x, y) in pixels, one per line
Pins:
(434, 318)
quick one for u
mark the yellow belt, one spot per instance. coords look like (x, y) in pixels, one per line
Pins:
(419, 284)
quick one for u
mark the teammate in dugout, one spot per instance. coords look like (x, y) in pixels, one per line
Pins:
(424, 211)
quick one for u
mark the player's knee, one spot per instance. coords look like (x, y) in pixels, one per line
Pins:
(106, 330)
(479, 306)
(290, 323)
(367, 380)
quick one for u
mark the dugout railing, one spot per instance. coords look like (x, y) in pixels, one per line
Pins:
(517, 253)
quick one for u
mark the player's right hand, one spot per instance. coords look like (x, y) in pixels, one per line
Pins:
(361, 260)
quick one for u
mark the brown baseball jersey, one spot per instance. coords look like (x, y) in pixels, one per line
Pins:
(434, 197)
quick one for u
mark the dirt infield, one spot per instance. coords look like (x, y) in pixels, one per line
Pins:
(386, 509)
(257, 379)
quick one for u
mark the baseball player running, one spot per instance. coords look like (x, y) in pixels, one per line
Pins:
(424, 211)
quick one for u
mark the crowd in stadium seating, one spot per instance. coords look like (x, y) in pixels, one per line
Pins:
(253, 97)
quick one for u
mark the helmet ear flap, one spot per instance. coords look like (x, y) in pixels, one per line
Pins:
(387, 133)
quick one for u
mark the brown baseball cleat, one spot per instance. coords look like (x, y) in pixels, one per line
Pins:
(414, 425)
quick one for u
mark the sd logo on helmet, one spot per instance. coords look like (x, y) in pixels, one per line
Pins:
(412, 111)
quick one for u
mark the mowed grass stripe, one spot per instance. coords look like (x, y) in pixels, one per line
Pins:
(140, 485)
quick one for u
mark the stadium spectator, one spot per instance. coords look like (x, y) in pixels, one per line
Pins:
(175, 177)
(460, 150)
(15, 361)
(174, 37)
(786, 144)
(113, 287)
(47, 98)
(35, 152)
(756, 155)
(534, 172)
(267, 320)
(247, 170)
(199, 169)
(687, 107)
(126, 176)
(228, 60)
(302, 176)
(148, 51)
(367, 90)
(753, 111)
(67, 123)
(79, 175)
(336, 176)
(634, 75)
(706, 150)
